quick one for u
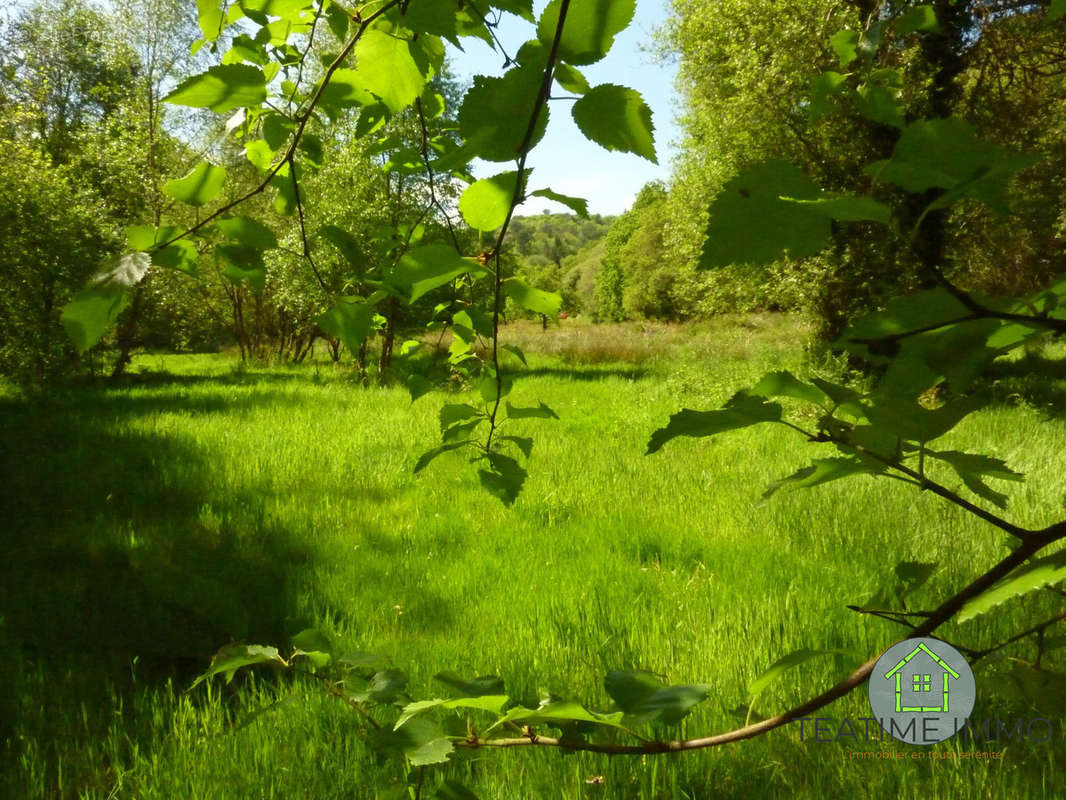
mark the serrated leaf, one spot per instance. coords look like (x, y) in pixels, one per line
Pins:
(846, 46)
(475, 687)
(1046, 571)
(234, 656)
(907, 419)
(642, 694)
(243, 264)
(579, 205)
(426, 268)
(570, 79)
(91, 313)
(536, 300)
(783, 665)
(123, 272)
(387, 67)
(495, 113)
(751, 223)
(210, 17)
(199, 187)
(740, 412)
(824, 470)
(486, 203)
(516, 352)
(222, 88)
(947, 154)
(351, 320)
(785, 384)
(617, 118)
(248, 231)
(421, 740)
(917, 18)
(312, 639)
(540, 412)
(846, 208)
(346, 90)
(589, 28)
(492, 703)
(559, 712)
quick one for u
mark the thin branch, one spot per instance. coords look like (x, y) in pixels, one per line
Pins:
(1036, 542)
(303, 119)
(303, 227)
(516, 199)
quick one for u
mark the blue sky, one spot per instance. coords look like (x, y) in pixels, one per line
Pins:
(564, 160)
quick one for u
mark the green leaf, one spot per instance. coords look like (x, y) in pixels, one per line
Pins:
(617, 118)
(259, 155)
(536, 300)
(740, 412)
(387, 67)
(901, 314)
(346, 89)
(1046, 571)
(496, 111)
(493, 703)
(783, 665)
(824, 89)
(486, 203)
(475, 687)
(973, 468)
(589, 28)
(558, 712)
(210, 17)
(846, 46)
(946, 154)
(641, 694)
(750, 222)
(234, 656)
(249, 232)
(428, 456)
(917, 18)
(879, 104)
(222, 88)
(1057, 9)
(91, 313)
(180, 255)
(276, 130)
(785, 384)
(285, 202)
(905, 418)
(424, 742)
(244, 264)
(823, 470)
(570, 79)
(199, 187)
(845, 208)
(312, 639)
(540, 412)
(579, 205)
(429, 267)
(385, 687)
(351, 320)
(505, 479)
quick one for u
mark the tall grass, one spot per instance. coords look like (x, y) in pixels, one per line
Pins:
(150, 524)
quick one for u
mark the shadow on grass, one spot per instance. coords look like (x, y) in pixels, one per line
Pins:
(110, 556)
(1039, 381)
(587, 373)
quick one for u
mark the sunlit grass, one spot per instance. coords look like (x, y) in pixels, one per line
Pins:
(202, 503)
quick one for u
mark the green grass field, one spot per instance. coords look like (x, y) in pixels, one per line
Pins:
(147, 525)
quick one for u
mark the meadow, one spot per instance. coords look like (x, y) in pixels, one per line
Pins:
(203, 502)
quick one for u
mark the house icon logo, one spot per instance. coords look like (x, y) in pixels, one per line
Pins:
(922, 691)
